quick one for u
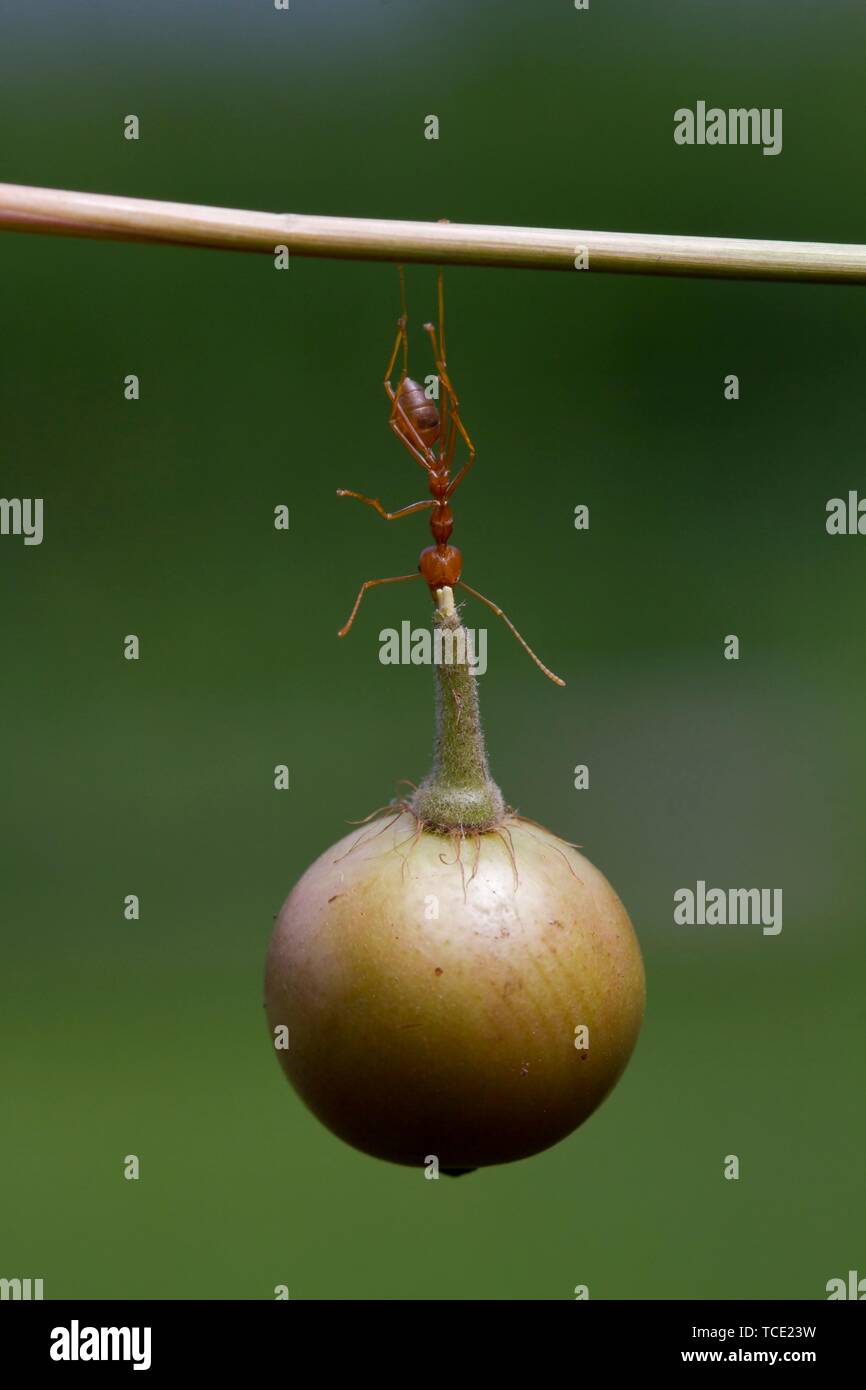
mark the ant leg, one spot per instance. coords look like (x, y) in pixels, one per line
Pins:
(458, 479)
(499, 613)
(404, 318)
(455, 416)
(447, 427)
(426, 459)
(400, 339)
(414, 443)
(371, 584)
(377, 505)
(455, 422)
(447, 434)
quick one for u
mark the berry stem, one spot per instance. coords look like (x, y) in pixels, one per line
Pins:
(458, 793)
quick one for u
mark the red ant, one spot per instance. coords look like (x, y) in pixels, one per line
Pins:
(418, 425)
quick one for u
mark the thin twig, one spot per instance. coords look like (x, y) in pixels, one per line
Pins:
(56, 212)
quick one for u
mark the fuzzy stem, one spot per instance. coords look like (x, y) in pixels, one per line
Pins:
(458, 793)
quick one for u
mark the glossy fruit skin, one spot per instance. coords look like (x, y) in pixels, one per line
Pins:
(414, 1035)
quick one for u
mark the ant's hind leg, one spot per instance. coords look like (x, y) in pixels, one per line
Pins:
(406, 431)
(400, 340)
(389, 370)
(450, 411)
(494, 607)
(371, 584)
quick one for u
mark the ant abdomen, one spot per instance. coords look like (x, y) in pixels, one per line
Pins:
(419, 410)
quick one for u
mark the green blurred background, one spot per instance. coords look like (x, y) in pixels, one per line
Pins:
(260, 388)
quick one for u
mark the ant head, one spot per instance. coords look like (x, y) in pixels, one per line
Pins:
(441, 566)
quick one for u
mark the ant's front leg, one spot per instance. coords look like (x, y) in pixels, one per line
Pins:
(371, 584)
(377, 505)
(400, 340)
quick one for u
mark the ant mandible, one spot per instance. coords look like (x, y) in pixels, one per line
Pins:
(418, 425)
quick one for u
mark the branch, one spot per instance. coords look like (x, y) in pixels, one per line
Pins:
(59, 213)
